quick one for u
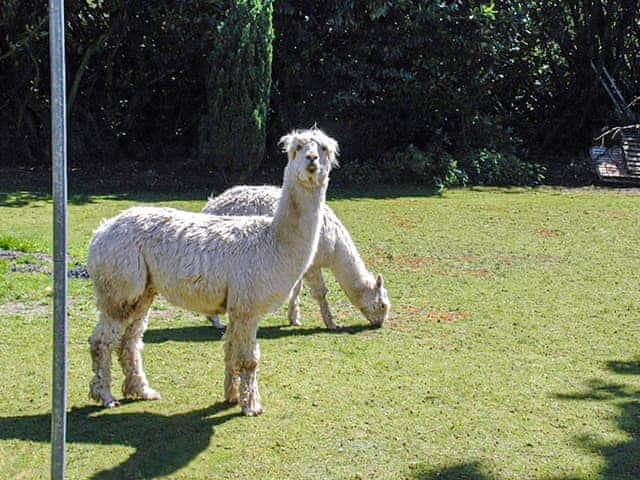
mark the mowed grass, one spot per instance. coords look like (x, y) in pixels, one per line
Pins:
(512, 351)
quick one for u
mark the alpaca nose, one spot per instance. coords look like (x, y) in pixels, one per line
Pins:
(313, 162)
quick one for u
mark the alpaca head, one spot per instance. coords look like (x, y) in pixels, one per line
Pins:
(311, 155)
(375, 303)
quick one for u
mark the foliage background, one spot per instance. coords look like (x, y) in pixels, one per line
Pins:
(427, 92)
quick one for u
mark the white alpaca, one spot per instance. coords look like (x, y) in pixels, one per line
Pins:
(336, 251)
(245, 266)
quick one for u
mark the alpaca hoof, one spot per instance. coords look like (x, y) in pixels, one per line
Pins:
(329, 323)
(135, 391)
(251, 405)
(216, 323)
(232, 397)
(251, 411)
(150, 394)
(219, 326)
(294, 317)
(104, 399)
(232, 390)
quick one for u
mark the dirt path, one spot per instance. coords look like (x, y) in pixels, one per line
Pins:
(41, 263)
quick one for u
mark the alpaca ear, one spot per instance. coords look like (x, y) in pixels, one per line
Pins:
(291, 154)
(286, 142)
(379, 281)
(335, 151)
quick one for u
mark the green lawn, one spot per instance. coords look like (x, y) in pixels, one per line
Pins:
(512, 351)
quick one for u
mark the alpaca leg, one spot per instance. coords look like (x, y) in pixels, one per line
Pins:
(135, 383)
(294, 305)
(244, 353)
(105, 337)
(231, 373)
(319, 290)
(216, 322)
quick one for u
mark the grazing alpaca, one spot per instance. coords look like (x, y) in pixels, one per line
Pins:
(336, 251)
(245, 266)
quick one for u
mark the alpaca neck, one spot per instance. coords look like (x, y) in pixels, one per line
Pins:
(349, 269)
(296, 223)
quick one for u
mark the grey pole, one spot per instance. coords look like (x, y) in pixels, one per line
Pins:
(59, 169)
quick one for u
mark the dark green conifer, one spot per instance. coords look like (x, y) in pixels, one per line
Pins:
(232, 132)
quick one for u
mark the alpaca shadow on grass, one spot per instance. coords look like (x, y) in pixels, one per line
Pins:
(163, 444)
(462, 471)
(206, 333)
(620, 459)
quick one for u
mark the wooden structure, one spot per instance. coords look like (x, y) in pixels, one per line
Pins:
(617, 158)
(619, 162)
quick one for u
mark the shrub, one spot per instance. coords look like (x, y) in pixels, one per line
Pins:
(490, 167)
(438, 168)
(233, 131)
(432, 167)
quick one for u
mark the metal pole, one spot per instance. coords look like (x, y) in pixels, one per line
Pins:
(59, 169)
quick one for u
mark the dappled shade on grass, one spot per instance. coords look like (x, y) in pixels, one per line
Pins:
(163, 444)
(483, 370)
(621, 458)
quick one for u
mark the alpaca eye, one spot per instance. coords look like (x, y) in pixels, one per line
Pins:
(298, 147)
(325, 149)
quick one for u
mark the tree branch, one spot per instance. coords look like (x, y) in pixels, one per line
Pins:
(88, 53)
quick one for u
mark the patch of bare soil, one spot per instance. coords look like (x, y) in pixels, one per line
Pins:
(441, 316)
(516, 259)
(477, 272)
(546, 233)
(626, 190)
(77, 270)
(13, 255)
(410, 202)
(615, 214)
(410, 315)
(24, 308)
(461, 265)
(452, 266)
(607, 213)
(403, 221)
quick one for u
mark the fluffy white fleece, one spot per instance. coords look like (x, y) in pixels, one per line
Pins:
(336, 251)
(244, 266)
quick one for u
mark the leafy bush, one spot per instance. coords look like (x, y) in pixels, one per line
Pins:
(438, 168)
(490, 167)
(431, 166)
(136, 79)
(408, 165)
(155, 81)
